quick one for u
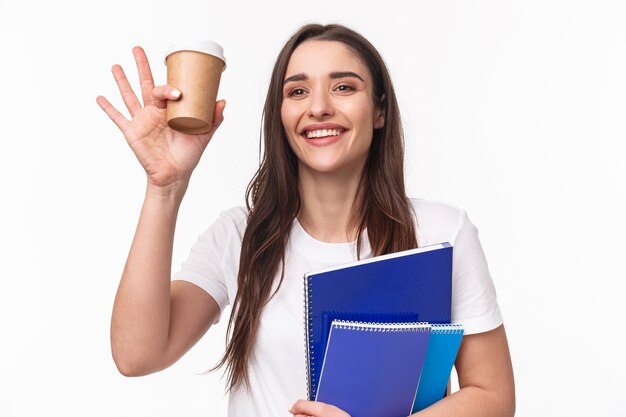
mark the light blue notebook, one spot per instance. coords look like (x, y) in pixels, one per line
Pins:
(373, 369)
(443, 347)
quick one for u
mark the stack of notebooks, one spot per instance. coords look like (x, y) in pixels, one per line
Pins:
(378, 332)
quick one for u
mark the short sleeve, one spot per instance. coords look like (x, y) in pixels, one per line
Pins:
(212, 263)
(474, 302)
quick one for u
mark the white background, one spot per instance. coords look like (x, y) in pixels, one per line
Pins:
(514, 111)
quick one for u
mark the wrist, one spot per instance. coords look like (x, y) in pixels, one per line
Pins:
(172, 193)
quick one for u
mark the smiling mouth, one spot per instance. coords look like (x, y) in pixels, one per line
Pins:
(322, 133)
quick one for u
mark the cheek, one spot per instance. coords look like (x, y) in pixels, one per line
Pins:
(283, 114)
(361, 112)
(289, 122)
(289, 116)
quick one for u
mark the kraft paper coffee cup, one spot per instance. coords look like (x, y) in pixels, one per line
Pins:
(195, 68)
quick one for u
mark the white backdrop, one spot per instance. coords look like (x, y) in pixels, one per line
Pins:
(514, 111)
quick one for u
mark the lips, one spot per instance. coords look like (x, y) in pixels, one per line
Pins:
(322, 138)
(320, 133)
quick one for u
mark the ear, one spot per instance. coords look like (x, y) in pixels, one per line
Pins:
(379, 121)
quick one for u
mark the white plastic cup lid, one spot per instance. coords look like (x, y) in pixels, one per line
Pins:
(206, 46)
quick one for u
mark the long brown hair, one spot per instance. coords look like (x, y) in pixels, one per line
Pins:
(380, 205)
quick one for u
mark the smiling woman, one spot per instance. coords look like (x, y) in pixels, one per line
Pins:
(329, 190)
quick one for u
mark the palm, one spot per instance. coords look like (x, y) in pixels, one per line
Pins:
(165, 154)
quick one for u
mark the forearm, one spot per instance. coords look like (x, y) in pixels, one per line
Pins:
(141, 312)
(473, 401)
(485, 376)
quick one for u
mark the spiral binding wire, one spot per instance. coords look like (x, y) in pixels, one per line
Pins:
(381, 327)
(308, 332)
(447, 328)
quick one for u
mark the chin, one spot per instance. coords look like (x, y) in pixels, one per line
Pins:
(330, 167)
(316, 166)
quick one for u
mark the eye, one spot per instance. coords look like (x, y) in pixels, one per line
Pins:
(296, 92)
(344, 88)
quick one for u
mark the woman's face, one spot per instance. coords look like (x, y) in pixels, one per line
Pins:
(328, 110)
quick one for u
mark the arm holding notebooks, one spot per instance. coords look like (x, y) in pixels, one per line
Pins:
(485, 378)
(483, 363)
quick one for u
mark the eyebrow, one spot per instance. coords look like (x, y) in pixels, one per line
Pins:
(334, 75)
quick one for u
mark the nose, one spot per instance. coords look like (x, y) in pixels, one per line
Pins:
(320, 105)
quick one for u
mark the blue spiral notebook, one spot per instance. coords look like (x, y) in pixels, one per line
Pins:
(373, 369)
(443, 347)
(408, 286)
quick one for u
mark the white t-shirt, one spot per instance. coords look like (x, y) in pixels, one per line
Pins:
(277, 366)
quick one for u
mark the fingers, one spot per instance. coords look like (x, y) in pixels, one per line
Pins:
(218, 115)
(218, 118)
(312, 408)
(145, 75)
(117, 117)
(162, 93)
(128, 95)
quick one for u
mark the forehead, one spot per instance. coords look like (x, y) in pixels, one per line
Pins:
(314, 57)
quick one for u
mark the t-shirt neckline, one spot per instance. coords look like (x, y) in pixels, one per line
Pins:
(326, 251)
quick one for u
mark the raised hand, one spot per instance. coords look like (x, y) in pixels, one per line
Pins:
(168, 157)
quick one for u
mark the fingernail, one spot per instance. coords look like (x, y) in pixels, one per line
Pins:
(176, 93)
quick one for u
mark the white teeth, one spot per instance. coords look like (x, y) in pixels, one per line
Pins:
(322, 133)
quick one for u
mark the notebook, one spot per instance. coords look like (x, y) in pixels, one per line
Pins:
(443, 347)
(373, 369)
(405, 287)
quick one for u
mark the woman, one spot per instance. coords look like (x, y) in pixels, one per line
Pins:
(330, 189)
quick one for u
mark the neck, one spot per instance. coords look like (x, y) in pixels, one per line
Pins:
(326, 204)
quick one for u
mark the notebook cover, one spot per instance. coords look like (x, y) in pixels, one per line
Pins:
(442, 350)
(404, 286)
(373, 370)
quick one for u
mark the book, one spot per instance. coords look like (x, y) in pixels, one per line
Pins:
(373, 369)
(407, 286)
(443, 347)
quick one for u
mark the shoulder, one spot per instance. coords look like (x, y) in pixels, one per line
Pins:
(235, 216)
(435, 211)
(437, 221)
(230, 224)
